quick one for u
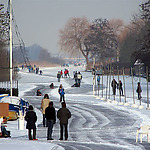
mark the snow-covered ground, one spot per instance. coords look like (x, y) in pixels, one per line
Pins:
(95, 123)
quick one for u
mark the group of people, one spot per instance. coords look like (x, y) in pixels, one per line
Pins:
(60, 74)
(78, 78)
(33, 69)
(49, 119)
(116, 85)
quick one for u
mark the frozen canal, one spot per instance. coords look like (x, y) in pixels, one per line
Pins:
(95, 124)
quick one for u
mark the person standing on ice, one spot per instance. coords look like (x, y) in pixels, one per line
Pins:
(61, 72)
(120, 88)
(50, 115)
(139, 91)
(75, 77)
(31, 119)
(79, 77)
(62, 93)
(63, 115)
(44, 104)
(98, 79)
(114, 86)
(58, 76)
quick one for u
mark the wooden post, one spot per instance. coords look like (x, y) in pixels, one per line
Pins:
(98, 88)
(147, 76)
(118, 84)
(139, 73)
(113, 78)
(109, 81)
(93, 85)
(132, 85)
(93, 76)
(124, 86)
(102, 82)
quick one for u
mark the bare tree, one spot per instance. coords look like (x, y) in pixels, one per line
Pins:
(72, 37)
(102, 41)
(117, 25)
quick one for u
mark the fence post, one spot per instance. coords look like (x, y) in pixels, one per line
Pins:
(102, 81)
(124, 85)
(118, 85)
(109, 81)
(132, 85)
(113, 83)
(147, 76)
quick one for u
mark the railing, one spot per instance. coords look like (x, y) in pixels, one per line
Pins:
(5, 88)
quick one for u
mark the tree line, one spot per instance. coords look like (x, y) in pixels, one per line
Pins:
(109, 41)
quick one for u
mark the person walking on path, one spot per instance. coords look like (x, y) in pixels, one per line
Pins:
(114, 86)
(61, 72)
(61, 92)
(58, 76)
(31, 119)
(139, 91)
(120, 88)
(50, 115)
(63, 115)
(44, 104)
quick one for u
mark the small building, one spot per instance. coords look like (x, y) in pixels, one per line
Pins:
(139, 69)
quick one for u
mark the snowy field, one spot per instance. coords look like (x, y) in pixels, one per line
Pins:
(95, 124)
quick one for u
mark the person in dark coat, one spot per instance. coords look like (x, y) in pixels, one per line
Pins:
(51, 86)
(50, 115)
(58, 76)
(114, 86)
(63, 115)
(139, 90)
(75, 77)
(38, 93)
(31, 119)
(62, 93)
(120, 88)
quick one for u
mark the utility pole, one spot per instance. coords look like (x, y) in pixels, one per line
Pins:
(10, 34)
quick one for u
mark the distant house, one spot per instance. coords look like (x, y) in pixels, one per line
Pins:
(139, 69)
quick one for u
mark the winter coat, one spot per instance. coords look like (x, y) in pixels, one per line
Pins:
(31, 118)
(120, 85)
(63, 115)
(50, 113)
(44, 104)
(114, 84)
(58, 75)
(139, 89)
(79, 76)
(61, 91)
(98, 78)
(75, 76)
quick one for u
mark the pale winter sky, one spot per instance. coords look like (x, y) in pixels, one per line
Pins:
(39, 21)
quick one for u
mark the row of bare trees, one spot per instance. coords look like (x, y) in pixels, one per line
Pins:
(109, 41)
(91, 40)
